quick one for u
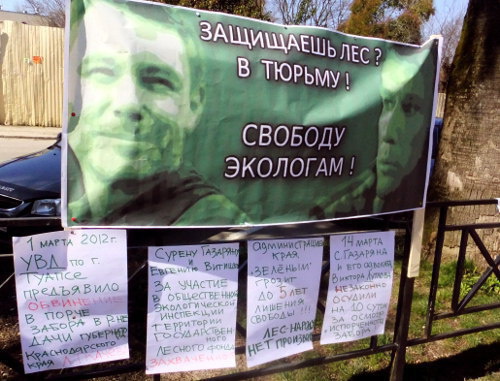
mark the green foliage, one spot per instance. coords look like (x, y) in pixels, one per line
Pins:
(305, 11)
(324, 13)
(490, 287)
(253, 8)
(399, 20)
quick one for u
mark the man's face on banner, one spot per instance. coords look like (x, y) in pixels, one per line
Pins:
(401, 125)
(136, 97)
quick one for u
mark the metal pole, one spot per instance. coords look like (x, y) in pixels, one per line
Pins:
(403, 317)
(443, 213)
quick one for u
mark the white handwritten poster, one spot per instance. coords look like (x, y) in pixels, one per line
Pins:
(72, 298)
(192, 300)
(283, 286)
(359, 291)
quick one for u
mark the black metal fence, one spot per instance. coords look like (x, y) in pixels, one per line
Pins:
(394, 343)
(458, 307)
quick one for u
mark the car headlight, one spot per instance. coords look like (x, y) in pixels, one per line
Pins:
(47, 207)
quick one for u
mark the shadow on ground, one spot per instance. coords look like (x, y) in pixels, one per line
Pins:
(467, 365)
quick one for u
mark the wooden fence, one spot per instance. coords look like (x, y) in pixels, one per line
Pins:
(31, 81)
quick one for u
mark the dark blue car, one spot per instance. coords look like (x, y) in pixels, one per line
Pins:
(31, 185)
(436, 135)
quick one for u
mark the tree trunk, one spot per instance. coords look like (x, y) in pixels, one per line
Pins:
(468, 163)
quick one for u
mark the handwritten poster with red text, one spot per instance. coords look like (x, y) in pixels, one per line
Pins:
(71, 291)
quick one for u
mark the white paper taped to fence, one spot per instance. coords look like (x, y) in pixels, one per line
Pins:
(283, 286)
(72, 298)
(359, 290)
(192, 300)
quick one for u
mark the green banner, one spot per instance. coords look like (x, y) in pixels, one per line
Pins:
(177, 117)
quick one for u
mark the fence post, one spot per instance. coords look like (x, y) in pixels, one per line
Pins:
(443, 214)
(408, 270)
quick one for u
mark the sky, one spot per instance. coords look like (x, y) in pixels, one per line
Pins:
(10, 5)
(446, 9)
(447, 5)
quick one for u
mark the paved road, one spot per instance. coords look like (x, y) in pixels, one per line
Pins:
(17, 141)
(12, 147)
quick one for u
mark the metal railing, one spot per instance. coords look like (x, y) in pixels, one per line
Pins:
(457, 306)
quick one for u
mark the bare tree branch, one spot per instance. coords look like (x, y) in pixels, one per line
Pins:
(449, 25)
(325, 13)
(52, 9)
